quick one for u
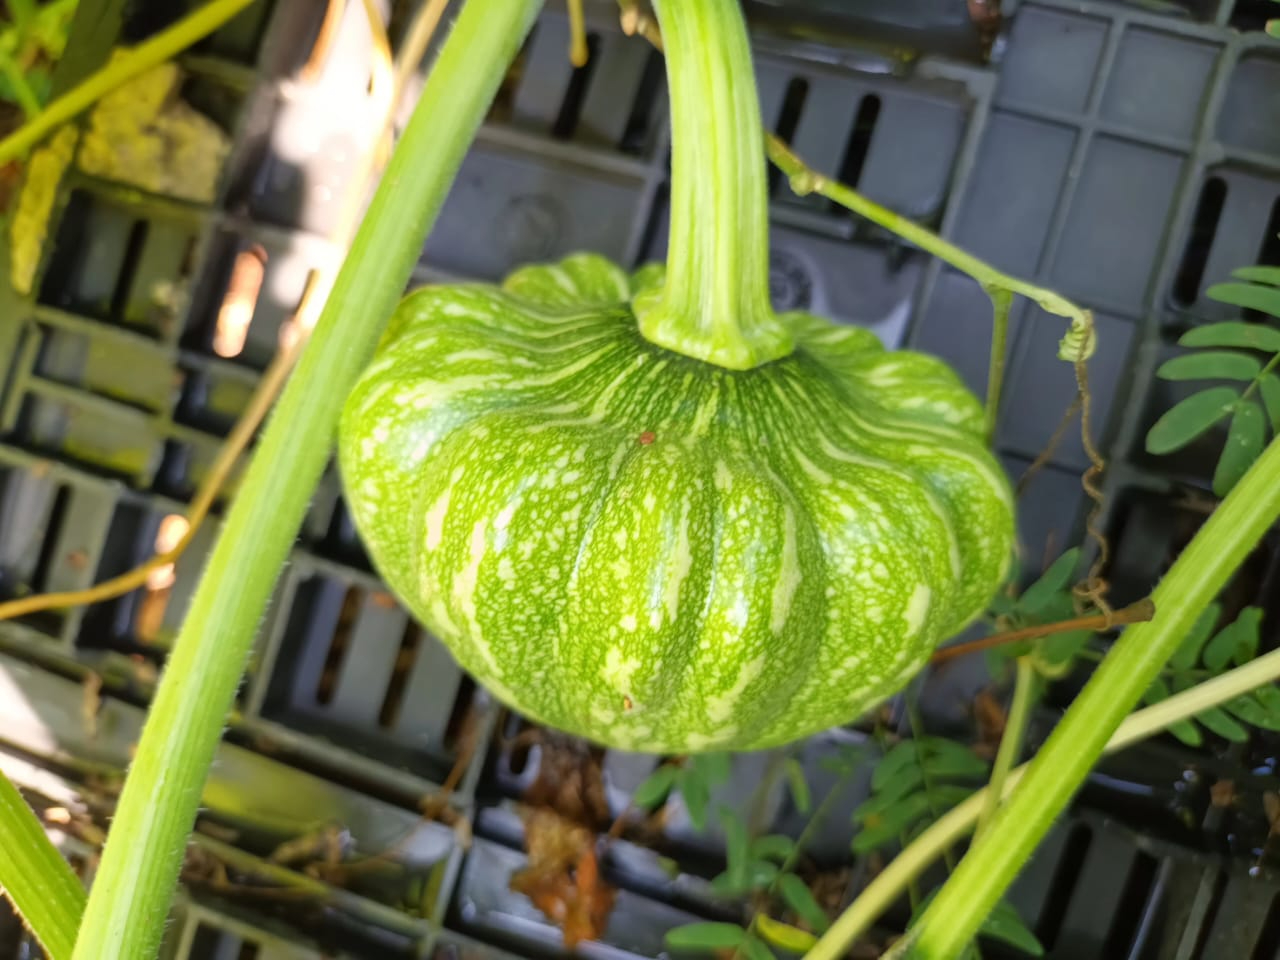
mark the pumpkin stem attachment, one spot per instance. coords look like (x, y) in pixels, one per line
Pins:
(715, 303)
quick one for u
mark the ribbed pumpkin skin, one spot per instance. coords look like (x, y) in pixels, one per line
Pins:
(656, 553)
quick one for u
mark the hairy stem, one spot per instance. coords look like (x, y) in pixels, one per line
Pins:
(1115, 688)
(35, 878)
(131, 893)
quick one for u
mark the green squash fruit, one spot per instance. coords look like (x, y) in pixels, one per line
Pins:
(658, 553)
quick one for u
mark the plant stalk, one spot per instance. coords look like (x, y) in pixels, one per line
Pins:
(715, 303)
(163, 46)
(1059, 768)
(131, 893)
(950, 828)
(35, 878)
(1015, 729)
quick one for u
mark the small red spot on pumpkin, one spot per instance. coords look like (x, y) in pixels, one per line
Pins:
(626, 703)
(647, 438)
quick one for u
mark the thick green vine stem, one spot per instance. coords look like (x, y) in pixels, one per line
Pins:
(47, 895)
(715, 304)
(1060, 767)
(130, 897)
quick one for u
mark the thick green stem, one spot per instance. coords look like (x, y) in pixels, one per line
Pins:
(715, 304)
(1001, 304)
(34, 876)
(951, 827)
(131, 893)
(1060, 767)
(164, 45)
(1015, 729)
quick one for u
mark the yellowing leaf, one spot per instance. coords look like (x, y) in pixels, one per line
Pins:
(784, 936)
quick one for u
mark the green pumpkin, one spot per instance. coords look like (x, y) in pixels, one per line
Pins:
(655, 552)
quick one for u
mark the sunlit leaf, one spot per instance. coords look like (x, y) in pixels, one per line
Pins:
(706, 936)
(783, 935)
(1252, 296)
(1211, 365)
(1053, 581)
(797, 895)
(1189, 418)
(1233, 333)
(1245, 440)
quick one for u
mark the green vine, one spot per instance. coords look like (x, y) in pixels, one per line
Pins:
(131, 892)
(1135, 660)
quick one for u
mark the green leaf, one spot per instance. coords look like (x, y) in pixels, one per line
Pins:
(1188, 652)
(946, 758)
(1186, 420)
(1269, 387)
(1252, 712)
(711, 768)
(697, 797)
(888, 824)
(799, 786)
(1233, 333)
(1053, 581)
(900, 758)
(737, 847)
(755, 949)
(1245, 440)
(655, 787)
(784, 936)
(1211, 365)
(761, 874)
(1252, 296)
(944, 796)
(1269, 697)
(1220, 723)
(1237, 641)
(774, 846)
(1004, 924)
(1062, 648)
(1259, 274)
(797, 895)
(1159, 690)
(706, 936)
